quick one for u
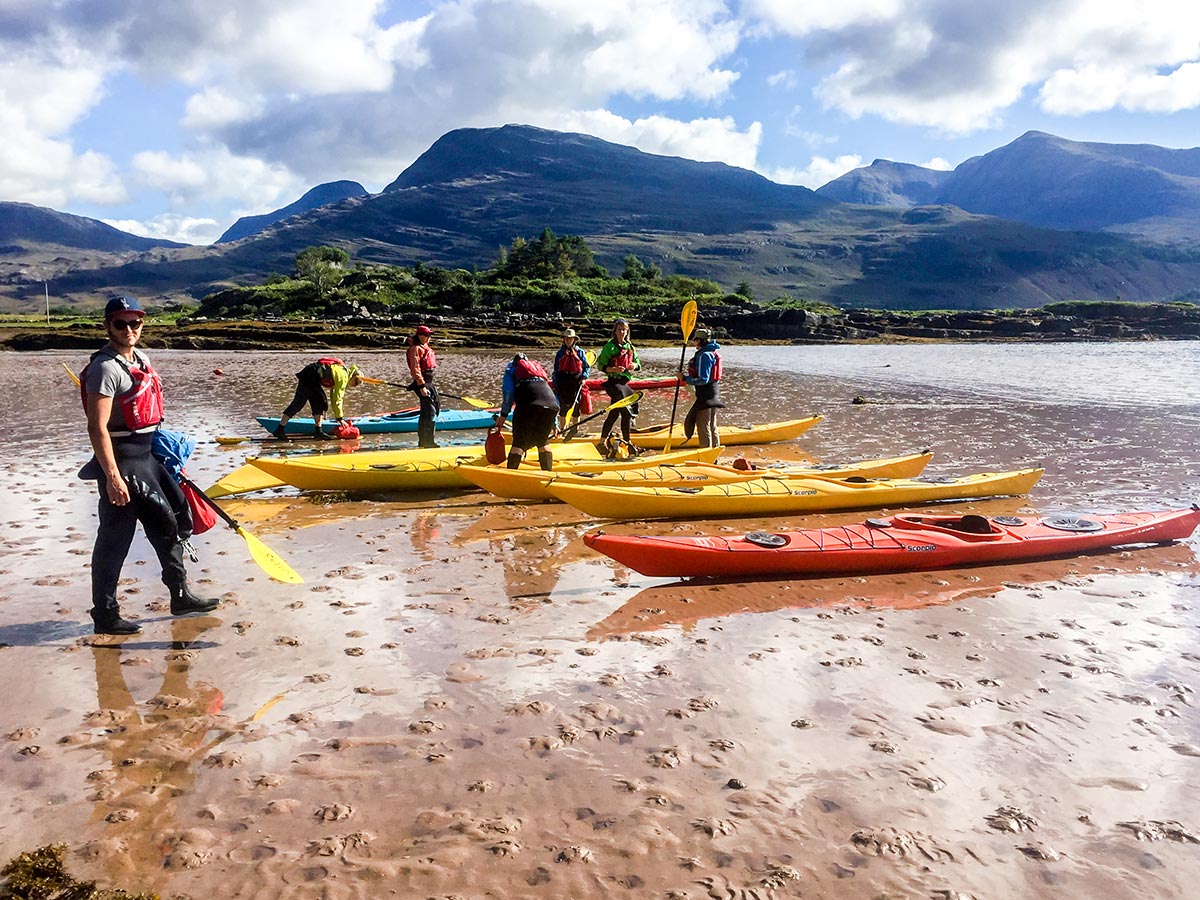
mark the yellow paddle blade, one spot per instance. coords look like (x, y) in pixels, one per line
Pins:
(74, 377)
(262, 710)
(243, 480)
(687, 321)
(477, 403)
(365, 380)
(268, 560)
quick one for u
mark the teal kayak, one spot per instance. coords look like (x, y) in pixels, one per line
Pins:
(403, 422)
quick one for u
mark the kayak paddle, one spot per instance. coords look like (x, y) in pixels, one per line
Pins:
(687, 324)
(571, 430)
(268, 560)
(590, 356)
(470, 401)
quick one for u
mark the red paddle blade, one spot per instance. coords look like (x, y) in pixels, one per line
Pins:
(494, 448)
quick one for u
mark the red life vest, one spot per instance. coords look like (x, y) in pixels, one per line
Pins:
(326, 374)
(570, 363)
(713, 376)
(524, 369)
(142, 405)
(624, 359)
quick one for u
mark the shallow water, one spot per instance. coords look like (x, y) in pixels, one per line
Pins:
(462, 700)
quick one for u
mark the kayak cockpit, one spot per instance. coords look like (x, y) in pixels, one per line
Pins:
(974, 526)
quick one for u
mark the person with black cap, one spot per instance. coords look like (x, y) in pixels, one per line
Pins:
(527, 393)
(311, 382)
(123, 398)
(570, 372)
(422, 362)
(619, 361)
(704, 374)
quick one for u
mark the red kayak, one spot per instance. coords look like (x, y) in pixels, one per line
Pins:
(642, 384)
(899, 543)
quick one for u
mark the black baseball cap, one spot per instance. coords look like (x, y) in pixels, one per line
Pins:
(122, 304)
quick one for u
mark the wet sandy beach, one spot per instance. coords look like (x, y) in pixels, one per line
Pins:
(463, 701)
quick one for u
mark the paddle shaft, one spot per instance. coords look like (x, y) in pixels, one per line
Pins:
(573, 429)
(687, 324)
(229, 520)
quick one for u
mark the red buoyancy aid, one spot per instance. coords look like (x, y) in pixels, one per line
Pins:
(714, 375)
(142, 405)
(326, 376)
(570, 363)
(624, 359)
(524, 369)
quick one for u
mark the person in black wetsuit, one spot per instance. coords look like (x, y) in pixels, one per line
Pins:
(534, 407)
(123, 398)
(704, 374)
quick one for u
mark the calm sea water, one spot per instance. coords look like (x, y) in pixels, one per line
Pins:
(1115, 425)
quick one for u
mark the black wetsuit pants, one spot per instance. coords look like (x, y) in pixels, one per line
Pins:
(310, 391)
(618, 390)
(430, 407)
(118, 523)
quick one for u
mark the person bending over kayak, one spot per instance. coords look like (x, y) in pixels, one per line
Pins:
(527, 393)
(311, 382)
(704, 374)
(570, 372)
(421, 363)
(123, 398)
(619, 361)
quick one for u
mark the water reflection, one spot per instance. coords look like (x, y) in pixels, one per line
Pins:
(153, 748)
(685, 603)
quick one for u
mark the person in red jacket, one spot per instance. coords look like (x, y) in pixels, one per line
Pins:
(570, 372)
(422, 362)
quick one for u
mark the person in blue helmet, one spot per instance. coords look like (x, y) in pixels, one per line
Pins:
(528, 395)
(704, 374)
(122, 396)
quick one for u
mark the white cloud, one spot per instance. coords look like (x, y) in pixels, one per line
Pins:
(171, 227)
(820, 171)
(1095, 88)
(958, 67)
(710, 140)
(937, 163)
(786, 79)
(214, 108)
(44, 91)
(213, 173)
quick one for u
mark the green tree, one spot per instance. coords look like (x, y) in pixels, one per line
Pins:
(635, 270)
(745, 290)
(322, 267)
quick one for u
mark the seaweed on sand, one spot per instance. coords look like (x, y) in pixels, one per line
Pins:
(42, 875)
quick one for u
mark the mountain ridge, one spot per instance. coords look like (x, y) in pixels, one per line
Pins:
(476, 190)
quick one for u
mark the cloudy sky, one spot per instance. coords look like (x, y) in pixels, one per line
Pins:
(172, 119)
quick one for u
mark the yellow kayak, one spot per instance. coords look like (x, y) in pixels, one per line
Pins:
(243, 480)
(520, 484)
(530, 483)
(396, 470)
(783, 496)
(730, 435)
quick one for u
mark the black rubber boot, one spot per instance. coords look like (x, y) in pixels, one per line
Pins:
(546, 460)
(184, 602)
(320, 435)
(515, 457)
(114, 625)
(280, 432)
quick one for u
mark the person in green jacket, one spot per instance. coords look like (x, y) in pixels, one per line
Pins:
(618, 360)
(311, 382)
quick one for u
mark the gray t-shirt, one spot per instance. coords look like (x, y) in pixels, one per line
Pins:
(108, 377)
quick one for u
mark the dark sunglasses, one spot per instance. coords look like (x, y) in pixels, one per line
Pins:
(131, 324)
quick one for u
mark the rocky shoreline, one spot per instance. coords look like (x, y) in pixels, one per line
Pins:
(1066, 322)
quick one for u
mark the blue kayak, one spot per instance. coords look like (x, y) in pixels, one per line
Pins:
(402, 422)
